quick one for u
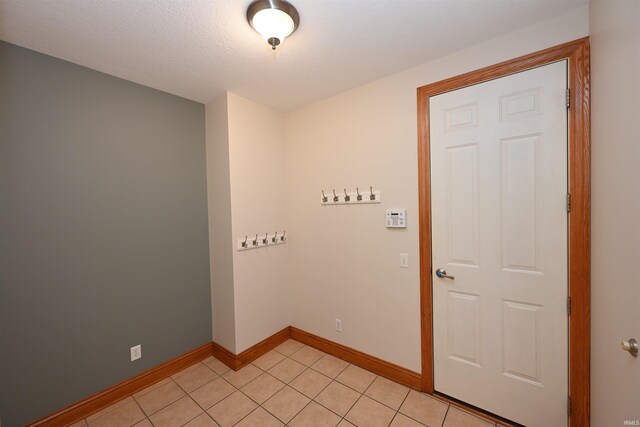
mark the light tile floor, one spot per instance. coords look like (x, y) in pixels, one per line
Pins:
(293, 385)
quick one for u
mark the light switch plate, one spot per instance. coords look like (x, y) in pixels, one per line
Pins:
(404, 260)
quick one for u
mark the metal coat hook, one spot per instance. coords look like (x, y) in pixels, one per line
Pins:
(261, 241)
(631, 345)
(333, 198)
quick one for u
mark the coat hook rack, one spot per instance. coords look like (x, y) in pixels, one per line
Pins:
(351, 198)
(259, 242)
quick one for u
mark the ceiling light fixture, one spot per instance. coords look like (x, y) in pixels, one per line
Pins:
(273, 20)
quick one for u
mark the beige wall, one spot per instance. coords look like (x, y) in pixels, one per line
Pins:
(344, 263)
(256, 153)
(615, 247)
(245, 172)
(219, 203)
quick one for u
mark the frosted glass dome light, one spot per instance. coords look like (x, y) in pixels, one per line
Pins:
(274, 20)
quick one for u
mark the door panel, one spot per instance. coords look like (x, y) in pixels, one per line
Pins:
(521, 341)
(499, 226)
(464, 327)
(521, 159)
(462, 208)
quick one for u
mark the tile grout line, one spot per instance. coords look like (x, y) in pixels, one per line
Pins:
(351, 407)
(168, 404)
(262, 371)
(204, 411)
(361, 395)
(419, 422)
(298, 413)
(115, 403)
(250, 412)
(310, 399)
(445, 415)
(188, 394)
(293, 379)
(285, 385)
(320, 392)
(327, 354)
(148, 417)
(141, 410)
(398, 410)
(197, 415)
(238, 389)
(349, 387)
(344, 385)
(384, 404)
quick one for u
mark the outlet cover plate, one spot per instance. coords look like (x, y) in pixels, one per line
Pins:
(136, 352)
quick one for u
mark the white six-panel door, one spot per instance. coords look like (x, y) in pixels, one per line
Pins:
(499, 227)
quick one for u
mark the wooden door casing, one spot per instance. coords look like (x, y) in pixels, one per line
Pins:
(577, 54)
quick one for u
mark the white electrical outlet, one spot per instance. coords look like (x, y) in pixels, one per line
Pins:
(404, 260)
(136, 352)
(338, 325)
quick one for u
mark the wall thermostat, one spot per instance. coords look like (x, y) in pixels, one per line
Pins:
(396, 218)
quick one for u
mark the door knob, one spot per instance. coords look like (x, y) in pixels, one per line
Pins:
(631, 345)
(442, 273)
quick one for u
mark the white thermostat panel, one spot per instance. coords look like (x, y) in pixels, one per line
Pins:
(396, 218)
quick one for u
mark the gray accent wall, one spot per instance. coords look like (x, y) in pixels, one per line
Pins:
(103, 231)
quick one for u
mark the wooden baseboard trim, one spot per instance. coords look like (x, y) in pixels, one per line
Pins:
(101, 400)
(358, 358)
(264, 346)
(224, 355)
(237, 361)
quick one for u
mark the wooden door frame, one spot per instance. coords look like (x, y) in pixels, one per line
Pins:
(577, 54)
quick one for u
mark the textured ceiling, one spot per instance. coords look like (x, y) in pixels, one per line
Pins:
(200, 48)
